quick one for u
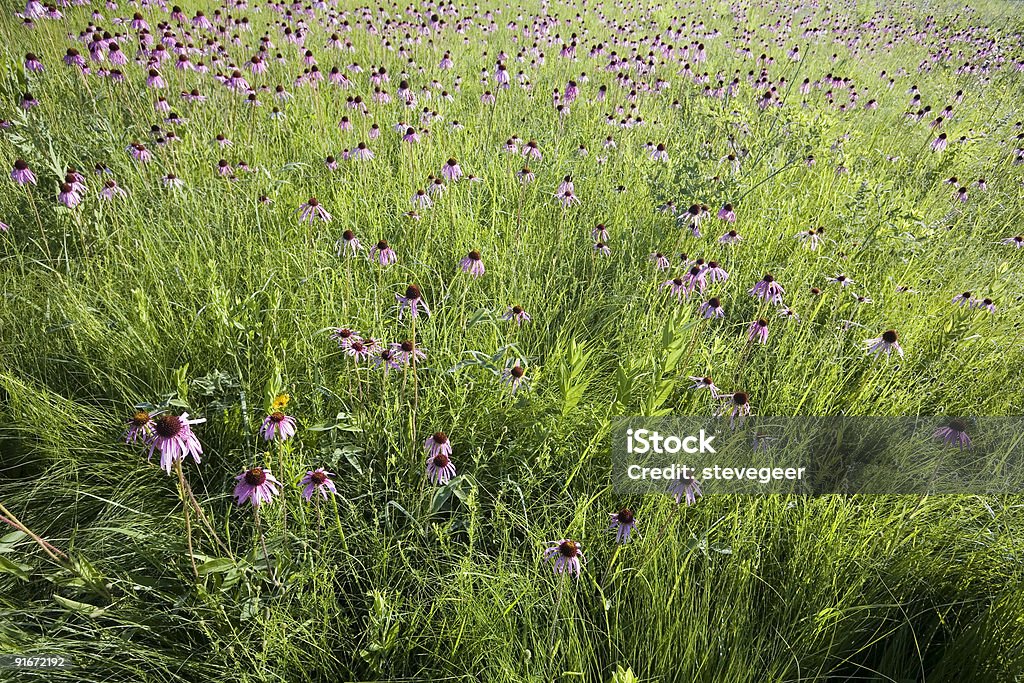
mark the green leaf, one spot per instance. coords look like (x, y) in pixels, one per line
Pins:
(217, 565)
(16, 568)
(623, 675)
(8, 542)
(80, 607)
(250, 608)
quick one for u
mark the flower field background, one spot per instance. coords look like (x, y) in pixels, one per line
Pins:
(436, 249)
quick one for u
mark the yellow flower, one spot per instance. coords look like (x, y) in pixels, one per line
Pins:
(280, 402)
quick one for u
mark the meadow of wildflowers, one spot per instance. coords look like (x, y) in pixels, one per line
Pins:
(316, 316)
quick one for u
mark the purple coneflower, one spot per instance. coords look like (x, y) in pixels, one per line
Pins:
(963, 299)
(713, 272)
(659, 153)
(385, 358)
(727, 214)
(344, 336)
(406, 352)
(712, 308)
(451, 170)
(676, 287)
(566, 198)
(660, 261)
(348, 244)
(278, 426)
(887, 343)
(514, 376)
(383, 253)
(531, 150)
(758, 331)
(256, 485)
(472, 263)
(140, 427)
(737, 405)
(525, 175)
(68, 197)
(767, 289)
(360, 349)
(954, 434)
(986, 303)
(412, 300)
(421, 199)
(22, 174)
(112, 190)
(810, 238)
(318, 480)
(518, 314)
(440, 469)
(623, 523)
(685, 488)
(731, 237)
(172, 436)
(311, 210)
(694, 279)
(32, 63)
(437, 444)
(567, 556)
(362, 152)
(602, 249)
(704, 383)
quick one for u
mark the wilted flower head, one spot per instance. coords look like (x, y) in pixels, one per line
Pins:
(685, 488)
(140, 427)
(622, 523)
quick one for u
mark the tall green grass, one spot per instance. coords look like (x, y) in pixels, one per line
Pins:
(208, 299)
